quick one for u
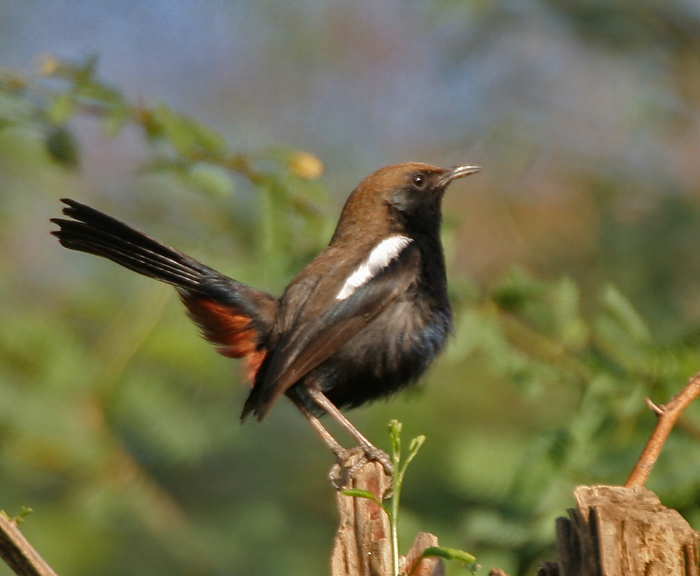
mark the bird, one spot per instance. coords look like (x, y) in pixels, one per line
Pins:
(361, 321)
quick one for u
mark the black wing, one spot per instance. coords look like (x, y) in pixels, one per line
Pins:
(311, 340)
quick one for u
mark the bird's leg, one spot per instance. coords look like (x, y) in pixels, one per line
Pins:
(340, 473)
(370, 450)
(323, 432)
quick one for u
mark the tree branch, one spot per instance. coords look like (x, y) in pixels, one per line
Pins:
(668, 415)
(18, 553)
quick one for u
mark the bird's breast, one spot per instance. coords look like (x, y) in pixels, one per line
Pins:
(390, 353)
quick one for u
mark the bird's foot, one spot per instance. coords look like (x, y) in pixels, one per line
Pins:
(374, 454)
(350, 462)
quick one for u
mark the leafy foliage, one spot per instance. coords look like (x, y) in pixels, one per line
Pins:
(119, 427)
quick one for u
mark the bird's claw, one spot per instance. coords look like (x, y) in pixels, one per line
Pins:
(350, 462)
(374, 454)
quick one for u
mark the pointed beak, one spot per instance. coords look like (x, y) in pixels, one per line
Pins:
(457, 172)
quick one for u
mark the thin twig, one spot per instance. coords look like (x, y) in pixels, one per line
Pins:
(668, 415)
(18, 553)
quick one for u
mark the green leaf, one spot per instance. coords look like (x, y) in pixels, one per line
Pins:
(516, 291)
(395, 434)
(23, 513)
(117, 118)
(63, 147)
(449, 554)
(85, 73)
(413, 449)
(359, 493)
(187, 136)
(62, 109)
(210, 179)
(415, 445)
(570, 326)
(100, 93)
(625, 314)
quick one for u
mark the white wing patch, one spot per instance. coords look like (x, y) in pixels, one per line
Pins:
(380, 257)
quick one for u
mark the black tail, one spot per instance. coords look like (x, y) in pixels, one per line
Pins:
(96, 233)
(231, 315)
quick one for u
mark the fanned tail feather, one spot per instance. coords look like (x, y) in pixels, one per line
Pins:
(97, 233)
(230, 314)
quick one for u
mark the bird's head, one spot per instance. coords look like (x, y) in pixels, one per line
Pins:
(399, 198)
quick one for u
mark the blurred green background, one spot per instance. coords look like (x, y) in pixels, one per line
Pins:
(573, 263)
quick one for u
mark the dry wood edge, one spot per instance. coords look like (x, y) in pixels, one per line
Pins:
(18, 553)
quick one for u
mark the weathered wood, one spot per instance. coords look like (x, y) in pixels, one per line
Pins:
(363, 541)
(549, 569)
(412, 563)
(618, 531)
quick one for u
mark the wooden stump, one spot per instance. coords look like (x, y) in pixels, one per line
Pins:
(363, 541)
(619, 531)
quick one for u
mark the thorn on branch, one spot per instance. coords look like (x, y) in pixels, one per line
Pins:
(658, 409)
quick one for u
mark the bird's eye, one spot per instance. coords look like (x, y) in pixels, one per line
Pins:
(419, 180)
